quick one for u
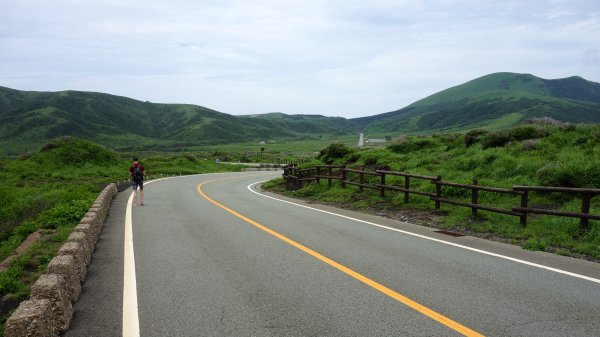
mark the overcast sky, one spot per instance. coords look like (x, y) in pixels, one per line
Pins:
(331, 57)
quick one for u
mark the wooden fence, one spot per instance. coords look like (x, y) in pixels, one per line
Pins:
(295, 178)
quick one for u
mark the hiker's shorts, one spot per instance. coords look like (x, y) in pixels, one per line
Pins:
(135, 184)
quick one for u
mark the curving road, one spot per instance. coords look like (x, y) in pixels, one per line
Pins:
(215, 256)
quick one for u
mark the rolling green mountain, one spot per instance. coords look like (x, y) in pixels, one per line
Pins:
(494, 101)
(304, 123)
(29, 119)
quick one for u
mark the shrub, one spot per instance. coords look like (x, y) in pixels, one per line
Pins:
(370, 160)
(496, 139)
(474, 136)
(572, 174)
(530, 144)
(543, 121)
(352, 158)
(411, 144)
(333, 152)
(527, 132)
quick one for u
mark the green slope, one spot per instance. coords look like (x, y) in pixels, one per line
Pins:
(501, 99)
(29, 119)
(304, 123)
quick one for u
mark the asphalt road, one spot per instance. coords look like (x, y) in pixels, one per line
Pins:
(225, 259)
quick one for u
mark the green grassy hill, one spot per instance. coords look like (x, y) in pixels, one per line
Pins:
(29, 119)
(494, 101)
(304, 124)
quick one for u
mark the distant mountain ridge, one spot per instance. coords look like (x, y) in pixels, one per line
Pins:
(495, 101)
(499, 99)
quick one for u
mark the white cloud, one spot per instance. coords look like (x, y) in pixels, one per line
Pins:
(351, 58)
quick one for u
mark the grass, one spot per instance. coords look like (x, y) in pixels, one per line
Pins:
(545, 155)
(52, 189)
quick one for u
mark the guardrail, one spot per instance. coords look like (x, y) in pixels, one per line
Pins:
(294, 178)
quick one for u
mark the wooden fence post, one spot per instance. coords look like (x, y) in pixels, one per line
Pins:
(406, 187)
(585, 209)
(474, 198)
(297, 182)
(361, 180)
(438, 192)
(318, 174)
(524, 198)
(382, 192)
(329, 172)
(344, 178)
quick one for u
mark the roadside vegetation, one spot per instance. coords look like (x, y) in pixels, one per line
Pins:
(543, 152)
(50, 190)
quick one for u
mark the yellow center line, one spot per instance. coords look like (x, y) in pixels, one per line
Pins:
(379, 287)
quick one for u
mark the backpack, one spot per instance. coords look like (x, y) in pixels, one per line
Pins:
(138, 175)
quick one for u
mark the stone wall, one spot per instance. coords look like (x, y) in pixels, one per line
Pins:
(49, 310)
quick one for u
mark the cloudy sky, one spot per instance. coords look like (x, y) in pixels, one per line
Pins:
(331, 57)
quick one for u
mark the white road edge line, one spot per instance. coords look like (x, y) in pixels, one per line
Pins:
(560, 271)
(131, 324)
(131, 321)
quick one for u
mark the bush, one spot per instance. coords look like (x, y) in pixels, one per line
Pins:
(496, 139)
(474, 136)
(530, 144)
(516, 134)
(334, 152)
(407, 145)
(352, 158)
(543, 121)
(370, 160)
(572, 174)
(527, 132)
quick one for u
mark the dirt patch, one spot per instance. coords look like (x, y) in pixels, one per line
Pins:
(411, 215)
(31, 239)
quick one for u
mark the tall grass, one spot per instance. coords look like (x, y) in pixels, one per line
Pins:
(546, 155)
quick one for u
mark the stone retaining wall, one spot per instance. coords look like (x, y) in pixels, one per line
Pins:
(49, 310)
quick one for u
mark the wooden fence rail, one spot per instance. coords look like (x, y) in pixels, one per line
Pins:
(406, 189)
(294, 178)
(474, 204)
(586, 196)
(361, 179)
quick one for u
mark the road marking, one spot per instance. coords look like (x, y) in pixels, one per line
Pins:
(131, 324)
(381, 288)
(541, 266)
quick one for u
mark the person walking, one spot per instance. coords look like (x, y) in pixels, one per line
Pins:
(137, 173)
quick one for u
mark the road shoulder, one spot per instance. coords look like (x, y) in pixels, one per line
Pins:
(98, 312)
